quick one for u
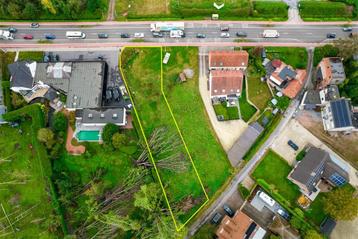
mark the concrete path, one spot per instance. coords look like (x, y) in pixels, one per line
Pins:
(293, 12)
(111, 10)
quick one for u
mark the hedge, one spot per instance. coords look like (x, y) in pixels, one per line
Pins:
(270, 9)
(314, 9)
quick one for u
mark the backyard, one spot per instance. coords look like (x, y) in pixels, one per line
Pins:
(293, 56)
(142, 73)
(246, 109)
(259, 93)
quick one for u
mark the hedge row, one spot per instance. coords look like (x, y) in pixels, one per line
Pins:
(270, 9)
(314, 9)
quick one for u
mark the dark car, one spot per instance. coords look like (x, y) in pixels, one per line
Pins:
(331, 35)
(347, 29)
(50, 36)
(125, 35)
(200, 35)
(12, 29)
(224, 29)
(216, 218)
(228, 210)
(241, 34)
(102, 35)
(35, 25)
(158, 34)
(293, 145)
(28, 37)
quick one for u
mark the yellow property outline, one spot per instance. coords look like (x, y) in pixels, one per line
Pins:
(176, 125)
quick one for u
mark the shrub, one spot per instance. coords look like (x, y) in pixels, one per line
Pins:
(301, 155)
(46, 136)
(118, 140)
(324, 51)
(108, 131)
(314, 9)
(244, 192)
(60, 122)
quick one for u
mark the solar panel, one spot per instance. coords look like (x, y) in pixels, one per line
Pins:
(341, 113)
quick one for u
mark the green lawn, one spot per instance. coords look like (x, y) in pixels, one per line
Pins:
(294, 56)
(259, 93)
(315, 212)
(246, 109)
(142, 72)
(229, 113)
(274, 170)
(23, 186)
(5, 59)
(31, 56)
(324, 51)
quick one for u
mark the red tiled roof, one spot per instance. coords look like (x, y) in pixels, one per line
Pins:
(276, 63)
(234, 228)
(228, 58)
(294, 86)
(226, 82)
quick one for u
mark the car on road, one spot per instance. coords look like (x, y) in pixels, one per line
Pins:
(158, 34)
(347, 29)
(224, 35)
(283, 214)
(200, 35)
(12, 29)
(139, 35)
(50, 36)
(228, 210)
(292, 145)
(125, 35)
(241, 34)
(224, 29)
(102, 35)
(35, 25)
(331, 35)
(216, 218)
(28, 37)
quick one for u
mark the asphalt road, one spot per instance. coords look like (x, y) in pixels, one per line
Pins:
(288, 33)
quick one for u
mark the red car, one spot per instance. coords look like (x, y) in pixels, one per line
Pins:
(28, 37)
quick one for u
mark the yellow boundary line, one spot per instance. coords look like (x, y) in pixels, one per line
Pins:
(180, 134)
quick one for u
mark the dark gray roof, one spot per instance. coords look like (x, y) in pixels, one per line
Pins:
(332, 168)
(51, 94)
(327, 226)
(21, 75)
(312, 98)
(332, 93)
(309, 169)
(337, 68)
(104, 116)
(342, 113)
(287, 72)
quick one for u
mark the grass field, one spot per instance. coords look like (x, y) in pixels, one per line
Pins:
(259, 93)
(31, 56)
(294, 56)
(23, 188)
(246, 109)
(142, 72)
(268, 170)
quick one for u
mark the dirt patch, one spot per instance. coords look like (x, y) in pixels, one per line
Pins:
(346, 229)
(344, 145)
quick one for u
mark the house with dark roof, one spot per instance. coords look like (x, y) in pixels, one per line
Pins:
(284, 78)
(317, 165)
(228, 60)
(330, 71)
(327, 226)
(315, 99)
(338, 116)
(22, 75)
(240, 226)
(100, 117)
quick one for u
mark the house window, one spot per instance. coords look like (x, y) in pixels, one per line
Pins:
(337, 179)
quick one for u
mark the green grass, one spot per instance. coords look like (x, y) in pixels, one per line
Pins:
(229, 113)
(324, 51)
(5, 59)
(259, 93)
(142, 72)
(31, 56)
(244, 192)
(294, 56)
(17, 198)
(315, 212)
(207, 231)
(246, 109)
(268, 170)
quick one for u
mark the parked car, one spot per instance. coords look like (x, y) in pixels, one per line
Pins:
(331, 35)
(283, 214)
(216, 218)
(12, 29)
(158, 34)
(125, 35)
(347, 29)
(35, 25)
(200, 35)
(138, 35)
(102, 35)
(228, 210)
(50, 36)
(224, 29)
(224, 35)
(293, 145)
(241, 34)
(28, 37)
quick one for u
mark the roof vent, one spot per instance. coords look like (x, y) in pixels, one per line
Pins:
(90, 115)
(102, 115)
(115, 116)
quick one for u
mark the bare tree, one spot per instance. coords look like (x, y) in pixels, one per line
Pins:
(347, 46)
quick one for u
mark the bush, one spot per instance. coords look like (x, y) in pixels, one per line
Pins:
(118, 140)
(270, 9)
(59, 122)
(108, 131)
(244, 192)
(301, 155)
(46, 136)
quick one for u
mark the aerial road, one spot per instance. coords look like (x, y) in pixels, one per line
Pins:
(291, 34)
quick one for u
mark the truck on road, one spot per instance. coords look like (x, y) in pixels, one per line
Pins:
(166, 26)
(6, 35)
(270, 34)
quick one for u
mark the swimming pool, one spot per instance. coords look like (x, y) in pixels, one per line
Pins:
(90, 135)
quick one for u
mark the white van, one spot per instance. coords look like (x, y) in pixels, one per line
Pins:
(75, 35)
(266, 198)
(270, 34)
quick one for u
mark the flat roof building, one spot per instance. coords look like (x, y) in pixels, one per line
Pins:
(330, 71)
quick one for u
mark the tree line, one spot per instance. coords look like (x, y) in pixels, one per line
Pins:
(52, 9)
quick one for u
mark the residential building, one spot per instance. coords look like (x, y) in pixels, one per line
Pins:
(330, 71)
(100, 117)
(338, 116)
(314, 99)
(317, 165)
(284, 78)
(240, 226)
(228, 60)
(224, 83)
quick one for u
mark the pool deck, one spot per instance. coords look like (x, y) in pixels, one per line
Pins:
(72, 149)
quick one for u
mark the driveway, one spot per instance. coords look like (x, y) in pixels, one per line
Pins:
(346, 230)
(226, 131)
